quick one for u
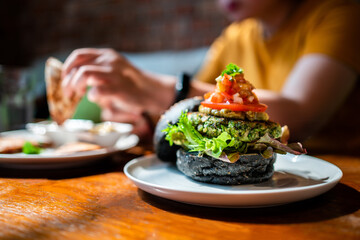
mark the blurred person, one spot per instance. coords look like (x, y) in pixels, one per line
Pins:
(302, 56)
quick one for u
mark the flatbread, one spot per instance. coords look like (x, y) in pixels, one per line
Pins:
(15, 144)
(76, 147)
(11, 145)
(61, 108)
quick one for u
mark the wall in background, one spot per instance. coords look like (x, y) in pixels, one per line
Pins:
(32, 29)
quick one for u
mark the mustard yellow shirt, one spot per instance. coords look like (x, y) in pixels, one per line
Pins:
(330, 27)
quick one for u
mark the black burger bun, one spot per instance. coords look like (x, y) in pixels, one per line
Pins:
(163, 150)
(250, 168)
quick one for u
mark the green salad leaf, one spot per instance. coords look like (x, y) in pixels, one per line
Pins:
(224, 147)
(29, 148)
(183, 133)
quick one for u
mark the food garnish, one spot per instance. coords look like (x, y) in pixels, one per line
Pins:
(233, 92)
(29, 148)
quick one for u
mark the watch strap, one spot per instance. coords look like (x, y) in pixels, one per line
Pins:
(182, 87)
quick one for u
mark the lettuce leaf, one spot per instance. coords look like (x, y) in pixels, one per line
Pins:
(29, 148)
(294, 148)
(184, 134)
(224, 147)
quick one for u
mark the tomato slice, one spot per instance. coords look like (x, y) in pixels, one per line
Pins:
(236, 107)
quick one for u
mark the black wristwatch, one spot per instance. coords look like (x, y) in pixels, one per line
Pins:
(182, 87)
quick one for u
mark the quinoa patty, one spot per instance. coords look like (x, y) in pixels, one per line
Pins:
(242, 130)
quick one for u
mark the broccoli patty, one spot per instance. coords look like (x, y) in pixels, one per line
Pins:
(245, 131)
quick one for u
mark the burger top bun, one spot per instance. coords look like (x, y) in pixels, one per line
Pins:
(163, 150)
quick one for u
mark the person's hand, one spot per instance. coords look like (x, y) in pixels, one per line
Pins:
(124, 93)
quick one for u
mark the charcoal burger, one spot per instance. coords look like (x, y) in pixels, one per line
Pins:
(225, 137)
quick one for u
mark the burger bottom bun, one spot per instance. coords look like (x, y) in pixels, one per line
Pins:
(250, 168)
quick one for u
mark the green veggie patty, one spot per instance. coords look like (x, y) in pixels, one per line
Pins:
(241, 130)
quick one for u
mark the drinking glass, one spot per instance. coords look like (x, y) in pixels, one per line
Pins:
(16, 98)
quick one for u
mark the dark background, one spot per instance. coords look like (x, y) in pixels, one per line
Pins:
(37, 28)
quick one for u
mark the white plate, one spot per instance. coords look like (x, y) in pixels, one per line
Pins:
(296, 178)
(48, 159)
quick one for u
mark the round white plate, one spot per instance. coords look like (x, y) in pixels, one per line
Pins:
(48, 158)
(296, 178)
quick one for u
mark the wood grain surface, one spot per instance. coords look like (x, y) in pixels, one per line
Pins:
(99, 202)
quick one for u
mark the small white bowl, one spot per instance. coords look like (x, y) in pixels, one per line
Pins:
(105, 134)
(59, 135)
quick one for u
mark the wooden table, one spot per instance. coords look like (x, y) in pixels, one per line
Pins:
(99, 202)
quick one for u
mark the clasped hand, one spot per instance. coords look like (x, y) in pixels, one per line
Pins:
(123, 92)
